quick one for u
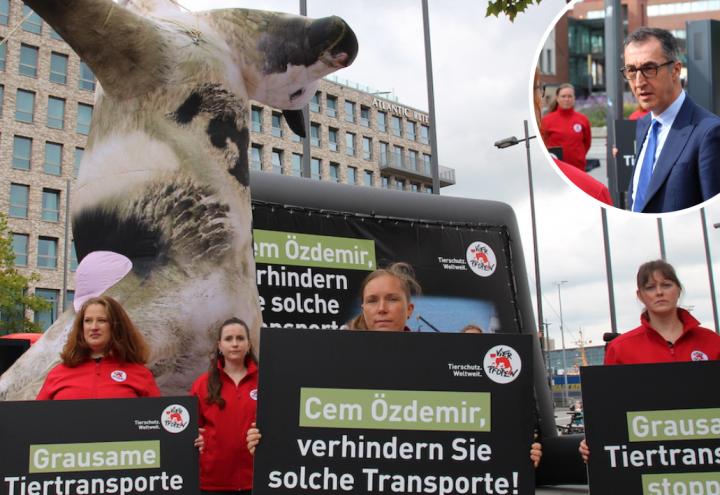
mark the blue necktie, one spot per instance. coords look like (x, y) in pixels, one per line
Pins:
(647, 167)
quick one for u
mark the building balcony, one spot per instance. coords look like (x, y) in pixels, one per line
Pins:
(414, 169)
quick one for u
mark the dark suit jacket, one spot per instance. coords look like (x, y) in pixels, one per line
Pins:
(687, 171)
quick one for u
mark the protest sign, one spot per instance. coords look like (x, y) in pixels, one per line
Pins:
(653, 429)
(394, 412)
(117, 446)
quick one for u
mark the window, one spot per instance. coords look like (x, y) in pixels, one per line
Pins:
(73, 257)
(87, 78)
(24, 106)
(53, 158)
(51, 205)
(28, 60)
(22, 151)
(277, 156)
(351, 175)
(47, 252)
(397, 158)
(79, 152)
(19, 200)
(349, 111)
(350, 144)
(315, 134)
(367, 148)
(364, 116)
(20, 248)
(256, 114)
(414, 187)
(412, 159)
(33, 23)
(256, 156)
(382, 121)
(385, 183)
(2, 98)
(3, 54)
(58, 68)
(84, 117)
(4, 12)
(424, 134)
(332, 139)
(368, 178)
(428, 189)
(56, 113)
(384, 158)
(334, 172)
(331, 105)
(399, 184)
(396, 125)
(277, 124)
(54, 35)
(315, 102)
(296, 165)
(69, 298)
(315, 168)
(427, 164)
(410, 130)
(46, 317)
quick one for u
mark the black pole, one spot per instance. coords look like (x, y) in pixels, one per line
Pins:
(661, 238)
(306, 118)
(608, 270)
(711, 277)
(538, 291)
(431, 100)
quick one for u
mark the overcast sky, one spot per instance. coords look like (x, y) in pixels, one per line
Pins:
(482, 69)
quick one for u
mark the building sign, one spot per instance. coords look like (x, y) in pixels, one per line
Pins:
(401, 111)
(654, 428)
(120, 446)
(394, 412)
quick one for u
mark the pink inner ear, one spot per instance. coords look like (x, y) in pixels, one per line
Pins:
(96, 273)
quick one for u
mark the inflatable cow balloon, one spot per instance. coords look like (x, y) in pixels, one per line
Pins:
(164, 179)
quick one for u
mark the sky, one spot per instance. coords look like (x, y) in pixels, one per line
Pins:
(482, 79)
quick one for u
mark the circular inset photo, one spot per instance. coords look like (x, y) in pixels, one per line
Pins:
(627, 102)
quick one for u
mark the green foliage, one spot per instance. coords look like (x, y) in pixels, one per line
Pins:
(13, 289)
(510, 8)
(597, 115)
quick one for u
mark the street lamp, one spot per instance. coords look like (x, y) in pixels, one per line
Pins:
(562, 341)
(506, 143)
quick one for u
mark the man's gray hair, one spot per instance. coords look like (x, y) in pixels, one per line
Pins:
(667, 40)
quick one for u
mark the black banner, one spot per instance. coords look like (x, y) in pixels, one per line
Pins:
(394, 412)
(653, 429)
(117, 446)
(310, 266)
(625, 158)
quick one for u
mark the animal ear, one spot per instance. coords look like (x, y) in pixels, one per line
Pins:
(296, 121)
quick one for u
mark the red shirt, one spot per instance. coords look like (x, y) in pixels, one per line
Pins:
(226, 463)
(105, 378)
(646, 345)
(569, 130)
(586, 183)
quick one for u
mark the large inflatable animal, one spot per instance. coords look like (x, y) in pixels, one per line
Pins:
(164, 179)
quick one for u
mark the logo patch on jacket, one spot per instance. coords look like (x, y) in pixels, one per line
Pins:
(121, 376)
(698, 356)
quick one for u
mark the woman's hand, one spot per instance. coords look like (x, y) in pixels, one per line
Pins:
(200, 441)
(584, 451)
(253, 438)
(535, 453)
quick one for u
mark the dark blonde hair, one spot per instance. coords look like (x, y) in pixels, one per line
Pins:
(554, 103)
(214, 384)
(646, 271)
(357, 323)
(400, 270)
(126, 342)
(469, 328)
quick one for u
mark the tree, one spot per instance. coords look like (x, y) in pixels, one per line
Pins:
(14, 296)
(510, 8)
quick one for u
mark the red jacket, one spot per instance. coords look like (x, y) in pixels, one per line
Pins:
(226, 463)
(586, 183)
(646, 345)
(569, 130)
(106, 378)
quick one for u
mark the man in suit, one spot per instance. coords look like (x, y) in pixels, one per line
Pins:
(678, 161)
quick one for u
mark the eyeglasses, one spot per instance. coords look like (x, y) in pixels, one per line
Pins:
(649, 70)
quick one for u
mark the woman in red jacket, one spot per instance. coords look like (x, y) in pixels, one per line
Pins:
(227, 396)
(103, 358)
(567, 129)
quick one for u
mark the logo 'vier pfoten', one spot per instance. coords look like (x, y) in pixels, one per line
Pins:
(175, 418)
(502, 364)
(481, 259)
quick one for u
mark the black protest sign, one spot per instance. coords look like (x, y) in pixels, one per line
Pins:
(625, 157)
(394, 412)
(653, 429)
(118, 446)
